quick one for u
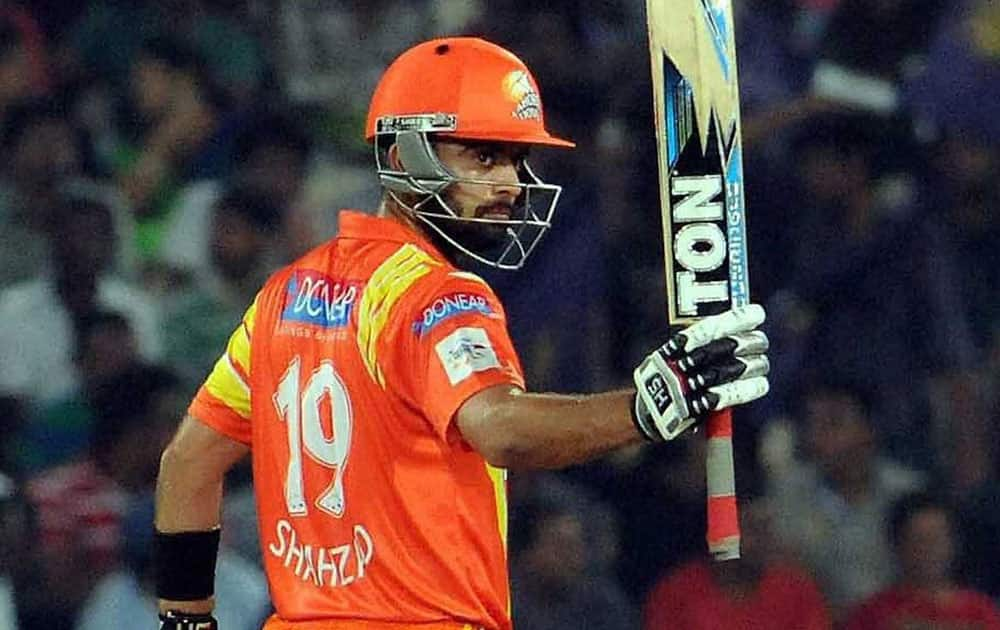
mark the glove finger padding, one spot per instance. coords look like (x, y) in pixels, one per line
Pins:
(739, 392)
(728, 371)
(729, 395)
(738, 320)
(740, 345)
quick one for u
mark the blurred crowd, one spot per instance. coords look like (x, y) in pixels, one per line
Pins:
(162, 158)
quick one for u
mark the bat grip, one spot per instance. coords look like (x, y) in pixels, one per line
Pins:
(723, 520)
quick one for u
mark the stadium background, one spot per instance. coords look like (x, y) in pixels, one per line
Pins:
(161, 157)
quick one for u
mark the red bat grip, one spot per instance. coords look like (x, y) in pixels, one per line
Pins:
(723, 519)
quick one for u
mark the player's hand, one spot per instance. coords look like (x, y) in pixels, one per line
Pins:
(187, 621)
(716, 363)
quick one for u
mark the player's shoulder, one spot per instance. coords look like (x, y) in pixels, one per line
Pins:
(447, 294)
(413, 271)
(447, 284)
(447, 278)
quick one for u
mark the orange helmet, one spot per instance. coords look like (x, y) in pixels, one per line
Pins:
(460, 87)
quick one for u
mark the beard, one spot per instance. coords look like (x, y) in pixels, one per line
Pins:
(484, 239)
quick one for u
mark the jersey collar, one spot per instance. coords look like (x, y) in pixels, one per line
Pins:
(356, 224)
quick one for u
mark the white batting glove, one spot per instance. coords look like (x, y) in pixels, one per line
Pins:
(713, 364)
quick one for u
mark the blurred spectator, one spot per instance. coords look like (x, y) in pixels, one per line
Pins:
(769, 72)
(555, 584)
(332, 53)
(108, 35)
(129, 593)
(762, 590)
(963, 166)
(630, 243)
(978, 504)
(104, 40)
(867, 263)
(42, 150)
(42, 315)
(61, 430)
(184, 135)
(832, 508)
(80, 505)
(50, 162)
(925, 594)
(233, 56)
(271, 156)
(880, 37)
(664, 492)
(243, 243)
(45, 149)
(960, 86)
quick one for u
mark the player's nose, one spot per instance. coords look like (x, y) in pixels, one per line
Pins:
(507, 183)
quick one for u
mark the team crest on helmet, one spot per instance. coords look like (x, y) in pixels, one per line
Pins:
(519, 89)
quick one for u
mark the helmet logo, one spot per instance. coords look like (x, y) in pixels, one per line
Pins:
(519, 89)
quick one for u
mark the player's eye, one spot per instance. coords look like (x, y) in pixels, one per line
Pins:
(486, 157)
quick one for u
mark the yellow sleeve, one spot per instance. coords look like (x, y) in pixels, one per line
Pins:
(223, 402)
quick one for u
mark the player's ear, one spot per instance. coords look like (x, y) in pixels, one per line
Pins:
(392, 156)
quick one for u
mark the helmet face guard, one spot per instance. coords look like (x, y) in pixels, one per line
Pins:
(428, 179)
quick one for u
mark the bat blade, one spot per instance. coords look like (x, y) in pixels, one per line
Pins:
(696, 103)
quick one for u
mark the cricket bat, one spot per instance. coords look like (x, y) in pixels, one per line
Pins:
(696, 106)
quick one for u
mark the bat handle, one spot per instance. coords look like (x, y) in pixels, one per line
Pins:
(723, 520)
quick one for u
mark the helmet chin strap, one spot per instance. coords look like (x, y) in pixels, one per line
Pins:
(427, 177)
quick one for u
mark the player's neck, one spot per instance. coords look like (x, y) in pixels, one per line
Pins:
(391, 209)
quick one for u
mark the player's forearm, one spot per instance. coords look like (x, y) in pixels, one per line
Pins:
(189, 489)
(187, 499)
(192, 468)
(553, 431)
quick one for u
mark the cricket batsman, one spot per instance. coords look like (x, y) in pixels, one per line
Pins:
(374, 383)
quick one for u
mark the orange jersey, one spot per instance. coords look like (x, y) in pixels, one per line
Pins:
(344, 377)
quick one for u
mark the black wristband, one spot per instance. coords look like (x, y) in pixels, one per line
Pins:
(184, 564)
(174, 620)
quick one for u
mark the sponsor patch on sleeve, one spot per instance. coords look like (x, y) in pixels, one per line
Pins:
(465, 351)
(448, 306)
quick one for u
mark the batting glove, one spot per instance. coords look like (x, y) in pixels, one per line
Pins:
(713, 364)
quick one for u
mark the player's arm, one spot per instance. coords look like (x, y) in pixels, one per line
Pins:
(516, 429)
(215, 434)
(714, 364)
(188, 508)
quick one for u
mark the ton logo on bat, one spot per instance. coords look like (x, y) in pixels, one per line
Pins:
(700, 246)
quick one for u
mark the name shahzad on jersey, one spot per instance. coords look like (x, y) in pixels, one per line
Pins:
(317, 299)
(448, 306)
(323, 566)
